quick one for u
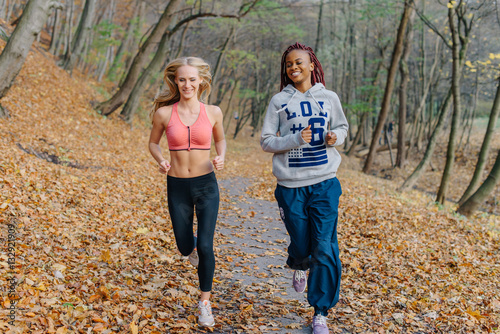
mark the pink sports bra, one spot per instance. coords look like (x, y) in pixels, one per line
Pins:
(195, 137)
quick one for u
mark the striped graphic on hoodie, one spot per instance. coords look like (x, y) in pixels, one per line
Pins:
(307, 156)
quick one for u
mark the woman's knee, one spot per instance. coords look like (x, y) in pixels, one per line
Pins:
(205, 248)
(184, 249)
(322, 251)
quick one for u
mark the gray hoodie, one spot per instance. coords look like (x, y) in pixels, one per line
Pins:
(295, 162)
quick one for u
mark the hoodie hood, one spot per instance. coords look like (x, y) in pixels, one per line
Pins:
(289, 92)
(291, 88)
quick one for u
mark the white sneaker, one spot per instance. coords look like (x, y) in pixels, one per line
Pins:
(205, 317)
(193, 257)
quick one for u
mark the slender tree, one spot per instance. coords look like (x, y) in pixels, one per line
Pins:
(418, 117)
(485, 149)
(117, 61)
(78, 44)
(403, 91)
(218, 64)
(318, 30)
(55, 32)
(391, 77)
(431, 145)
(458, 11)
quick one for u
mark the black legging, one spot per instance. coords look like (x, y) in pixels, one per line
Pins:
(184, 195)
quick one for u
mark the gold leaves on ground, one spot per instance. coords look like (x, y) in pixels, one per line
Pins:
(407, 263)
(95, 251)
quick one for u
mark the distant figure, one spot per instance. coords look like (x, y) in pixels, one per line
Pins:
(191, 182)
(390, 129)
(305, 164)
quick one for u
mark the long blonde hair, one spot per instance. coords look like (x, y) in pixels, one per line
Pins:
(172, 94)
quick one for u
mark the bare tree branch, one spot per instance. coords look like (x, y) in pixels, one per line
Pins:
(241, 13)
(432, 27)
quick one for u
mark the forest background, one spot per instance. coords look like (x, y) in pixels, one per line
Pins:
(76, 85)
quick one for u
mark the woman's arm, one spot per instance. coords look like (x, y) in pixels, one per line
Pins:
(219, 139)
(157, 131)
(269, 139)
(338, 123)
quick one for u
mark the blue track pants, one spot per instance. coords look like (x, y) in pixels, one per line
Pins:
(310, 215)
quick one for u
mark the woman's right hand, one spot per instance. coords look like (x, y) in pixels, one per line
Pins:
(164, 166)
(307, 134)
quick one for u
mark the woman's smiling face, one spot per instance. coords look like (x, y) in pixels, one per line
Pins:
(299, 68)
(188, 80)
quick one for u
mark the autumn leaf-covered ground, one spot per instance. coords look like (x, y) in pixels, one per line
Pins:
(81, 199)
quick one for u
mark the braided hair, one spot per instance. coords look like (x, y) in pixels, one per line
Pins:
(316, 76)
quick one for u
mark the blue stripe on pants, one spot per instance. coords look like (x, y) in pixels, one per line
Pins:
(310, 215)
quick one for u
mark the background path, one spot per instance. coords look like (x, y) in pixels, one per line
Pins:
(252, 229)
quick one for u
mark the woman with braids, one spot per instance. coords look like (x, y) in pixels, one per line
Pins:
(303, 123)
(191, 183)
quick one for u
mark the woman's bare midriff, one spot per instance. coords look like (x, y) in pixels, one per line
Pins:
(186, 164)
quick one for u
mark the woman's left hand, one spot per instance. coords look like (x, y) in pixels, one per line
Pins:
(330, 138)
(218, 162)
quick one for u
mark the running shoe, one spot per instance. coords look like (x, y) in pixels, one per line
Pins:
(193, 257)
(299, 280)
(205, 317)
(319, 325)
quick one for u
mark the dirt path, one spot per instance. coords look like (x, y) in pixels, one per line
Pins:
(252, 230)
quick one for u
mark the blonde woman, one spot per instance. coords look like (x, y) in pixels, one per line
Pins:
(191, 183)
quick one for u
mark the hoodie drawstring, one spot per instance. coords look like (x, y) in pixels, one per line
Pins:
(286, 104)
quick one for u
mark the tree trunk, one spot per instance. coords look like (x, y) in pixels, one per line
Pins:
(457, 106)
(318, 30)
(359, 132)
(65, 30)
(227, 113)
(218, 62)
(351, 68)
(10, 9)
(182, 41)
(474, 110)
(485, 148)
(14, 54)
(109, 106)
(3, 6)
(391, 77)
(69, 27)
(403, 91)
(154, 67)
(108, 59)
(419, 117)
(431, 145)
(55, 32)
(135, 43)
(473, 202)
(78, 44)
(117, 61)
